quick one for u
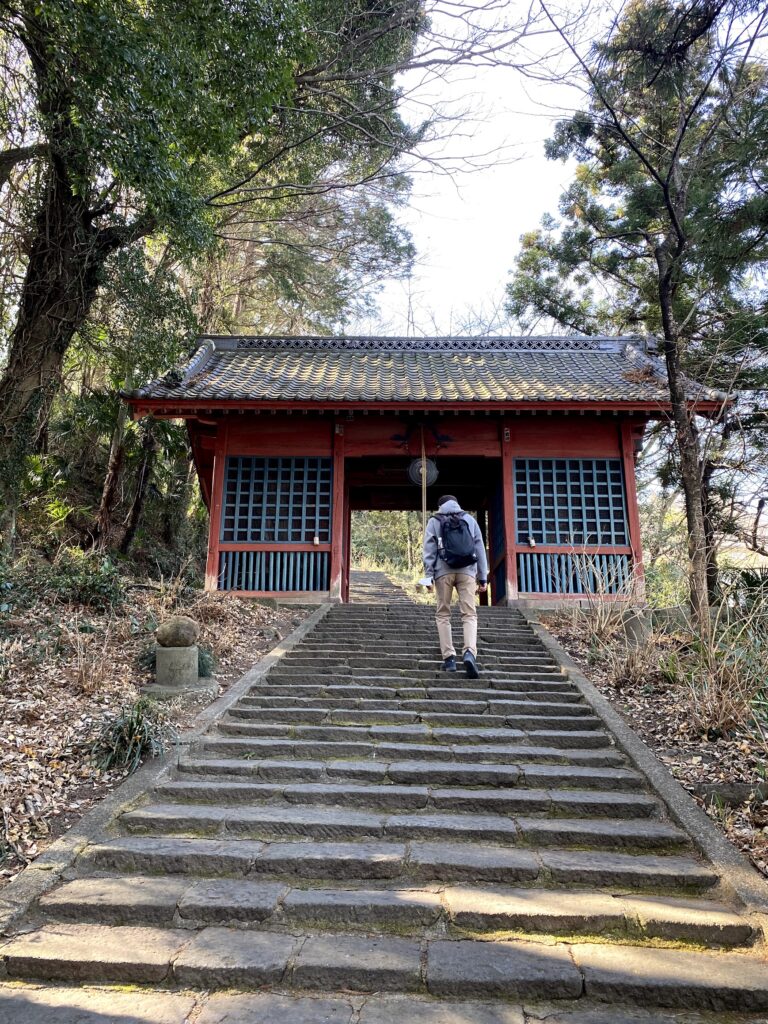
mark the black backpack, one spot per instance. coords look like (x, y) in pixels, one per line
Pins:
(456, 545)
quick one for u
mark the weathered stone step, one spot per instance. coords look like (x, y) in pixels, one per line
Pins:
(403, 712)
(317, 822)
(176, 901)
(551, 748)
(465, 701)
(366, 659)
(447, 685)
(415, 860)
(519, 800)
(226, 957)
(324, 671)
(585, 731)
(429, 773)
(252, 706)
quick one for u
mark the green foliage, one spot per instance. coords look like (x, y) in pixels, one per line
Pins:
(74, 577)
(206, 663)
(139, 731)
(387, 540)
(664, 227)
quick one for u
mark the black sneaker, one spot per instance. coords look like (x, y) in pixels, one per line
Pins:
(449, 665)
(470, 665)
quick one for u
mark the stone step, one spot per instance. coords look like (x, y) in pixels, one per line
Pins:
(381, 651)
(415, 860)
(323, 671)
(549, 748)
(499, 706)
(397, 687)
(428, 773)
(227, 957)
(318, 822)
(585, 731)
(465, 701)
(519, 800)
(406, 714)
(177, 901)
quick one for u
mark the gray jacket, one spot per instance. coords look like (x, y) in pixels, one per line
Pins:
(435, 566)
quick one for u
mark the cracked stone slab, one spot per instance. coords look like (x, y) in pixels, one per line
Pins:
(229, 899)
(698, 920)
(525, 970)
(333, 860)
(675, 978)
(534, 910)
(401, 907)
(223, 957)
(358, 963)
(605, 832)
(265, 1008)
(599, 867)
(52, 1005)
(404, 1010)
(480, 863)
(74, 952)
(119, 901)
(173, 855)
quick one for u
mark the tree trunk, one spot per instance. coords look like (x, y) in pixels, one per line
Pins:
(149, 450)
(708, 509)
(687, 439)
(60, 284)
(104, 525)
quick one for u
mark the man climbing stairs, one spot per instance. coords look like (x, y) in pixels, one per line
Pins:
(363, 838)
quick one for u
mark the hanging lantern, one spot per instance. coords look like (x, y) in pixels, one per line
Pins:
(414, 471)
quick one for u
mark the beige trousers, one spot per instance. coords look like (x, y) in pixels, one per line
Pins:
(466, 586)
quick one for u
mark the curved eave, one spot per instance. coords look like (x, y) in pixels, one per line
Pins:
(190, 408)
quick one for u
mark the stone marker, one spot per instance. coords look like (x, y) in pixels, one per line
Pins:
(176, 660)
(178, 631)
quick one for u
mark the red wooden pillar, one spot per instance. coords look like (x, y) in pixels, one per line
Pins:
(347, 543)
(508, 506)
(337, 515)
(633, 516)
(214, 512)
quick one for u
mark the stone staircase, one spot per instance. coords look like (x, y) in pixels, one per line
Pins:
(361, 822)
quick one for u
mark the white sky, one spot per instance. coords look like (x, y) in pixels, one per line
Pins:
(466, 227)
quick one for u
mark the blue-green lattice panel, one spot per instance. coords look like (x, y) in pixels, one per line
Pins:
(570, 501)
(277, 500)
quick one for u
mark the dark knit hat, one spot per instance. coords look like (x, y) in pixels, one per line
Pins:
(446, 497)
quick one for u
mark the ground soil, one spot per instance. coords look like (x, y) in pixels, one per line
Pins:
(66, 670)
(725, 774)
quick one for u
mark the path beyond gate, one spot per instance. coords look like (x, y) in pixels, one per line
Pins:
(366, 840)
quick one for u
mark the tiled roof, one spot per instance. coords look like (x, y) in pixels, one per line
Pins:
(403, 370)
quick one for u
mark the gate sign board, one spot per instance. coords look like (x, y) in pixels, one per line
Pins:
(536, 435)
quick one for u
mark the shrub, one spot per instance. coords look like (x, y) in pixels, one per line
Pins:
(141, 730)
(74, 577)
(81, 578)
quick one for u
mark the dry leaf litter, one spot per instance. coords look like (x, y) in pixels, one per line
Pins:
(726, 775)
(65, 670)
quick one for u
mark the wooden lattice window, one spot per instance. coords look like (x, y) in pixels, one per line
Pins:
(570, 502)
(277, 500)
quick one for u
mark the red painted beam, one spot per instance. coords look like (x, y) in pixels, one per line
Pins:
(338, 518)
(195, 407)
(508, 502)
(633, 513)
(217, 497)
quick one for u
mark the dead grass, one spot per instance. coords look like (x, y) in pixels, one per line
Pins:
(66, 670)
(723, 767)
